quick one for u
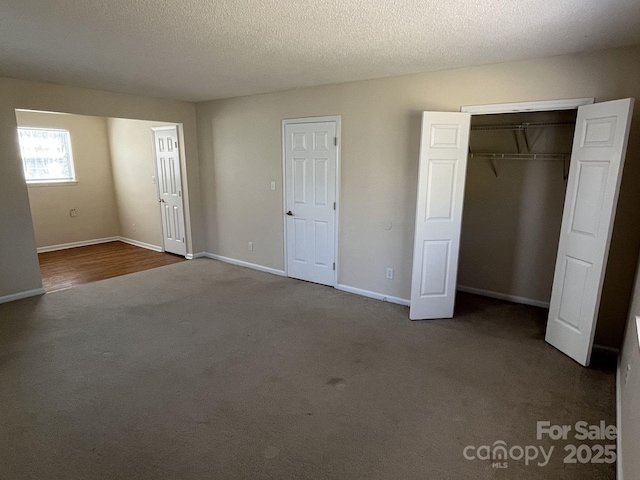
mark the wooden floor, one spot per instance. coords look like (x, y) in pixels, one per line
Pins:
(64, 269)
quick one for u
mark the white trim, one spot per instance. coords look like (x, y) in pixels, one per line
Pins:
(96, 241)
(328, 118)
(620, 474)
(292, 121)
(606, 349)
(83, 243)
(281, 273)
(192, 256)
(163, 128)
(638, 329)
(137, 243)
(242, 263)
(503, 296)
(51, 183)
(370, 294)
(21, 295)
(543, 106)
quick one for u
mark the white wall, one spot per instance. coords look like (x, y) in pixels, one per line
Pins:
(93, 197)
(19, 270)
(240, 147)
(629, 376)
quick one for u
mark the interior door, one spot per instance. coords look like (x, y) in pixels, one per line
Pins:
(170, 189)
(310, 158)
(597, 160)
(444, 150)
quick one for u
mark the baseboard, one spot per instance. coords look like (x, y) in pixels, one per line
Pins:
(84, 243)
(503, 296)
(191, 256)
(377, 296)
(21, 295)
(242, 263)
(619, 420)
(345, 288)
(605, 349)
(137, 243)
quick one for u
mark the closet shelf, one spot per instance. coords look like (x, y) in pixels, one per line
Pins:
(522, 126)
(521, 156)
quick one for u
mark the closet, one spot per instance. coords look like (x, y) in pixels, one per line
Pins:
(513, 203)
(542, 182)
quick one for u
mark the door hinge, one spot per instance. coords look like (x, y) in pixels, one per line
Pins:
(334, 205)
(182, 239)
(180, 193)
(176, 144)
(334, 265)
(335, 141)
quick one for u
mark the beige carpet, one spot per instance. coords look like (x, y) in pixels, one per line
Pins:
(203, 370)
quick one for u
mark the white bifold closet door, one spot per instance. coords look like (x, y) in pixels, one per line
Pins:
(444, 149)
(597, 158)
(599, 148)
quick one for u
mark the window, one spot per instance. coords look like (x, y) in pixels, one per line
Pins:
(46, 155)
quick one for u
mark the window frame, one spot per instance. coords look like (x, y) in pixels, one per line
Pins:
(73, 180)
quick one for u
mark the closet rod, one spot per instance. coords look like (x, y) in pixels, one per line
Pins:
(522, 126)
(494, 157)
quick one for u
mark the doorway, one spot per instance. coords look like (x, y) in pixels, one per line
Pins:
(93, 194)
(514, 196)
(311, 179)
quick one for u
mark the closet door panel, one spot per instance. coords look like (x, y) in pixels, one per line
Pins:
(597, 160)
(443, 162)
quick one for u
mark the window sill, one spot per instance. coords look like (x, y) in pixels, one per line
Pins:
(65, 183)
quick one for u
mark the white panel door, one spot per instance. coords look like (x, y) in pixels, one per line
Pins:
(444, 148)
(597, 159)
(170, 189)
(310, 180)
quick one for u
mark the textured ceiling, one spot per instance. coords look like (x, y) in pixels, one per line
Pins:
(204, 49)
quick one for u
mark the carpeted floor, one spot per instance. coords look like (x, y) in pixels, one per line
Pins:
(203, 370)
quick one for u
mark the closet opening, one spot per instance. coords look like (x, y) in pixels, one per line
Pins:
(514, 197)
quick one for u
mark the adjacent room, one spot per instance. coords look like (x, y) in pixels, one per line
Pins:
(94, 194)
(320, 241)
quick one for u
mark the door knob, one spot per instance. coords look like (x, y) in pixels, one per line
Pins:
(289, 213)
(161, 200)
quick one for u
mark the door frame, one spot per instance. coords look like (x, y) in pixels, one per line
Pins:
(337, 119)
(187, 233)
(521, 107)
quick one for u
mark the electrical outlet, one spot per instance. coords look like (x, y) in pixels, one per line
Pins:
(390, 273)
(250, 246)
(273, 185)
(134, 226)
(73, 213)
(626, 375)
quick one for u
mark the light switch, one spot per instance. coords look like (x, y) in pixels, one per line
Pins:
(273, 185)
